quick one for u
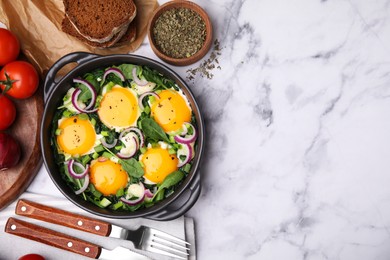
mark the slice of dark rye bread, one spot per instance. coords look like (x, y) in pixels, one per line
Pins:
(100, 20)
(128, 36)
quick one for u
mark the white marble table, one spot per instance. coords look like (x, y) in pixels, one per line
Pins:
(298, 131)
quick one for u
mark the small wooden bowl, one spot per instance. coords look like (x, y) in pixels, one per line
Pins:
(209, 32)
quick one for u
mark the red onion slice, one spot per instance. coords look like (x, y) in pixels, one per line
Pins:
(136, 190)
(137, 80)
(85, 185)
(188, 138)
(132, 153)
(185, 130)
(75, 97)
(116, 71)
(144, 95)
(109, 146)
(73, 173)
(91, 89)
(148, 194)
(187, 151)
(133, 202)
(141, 136)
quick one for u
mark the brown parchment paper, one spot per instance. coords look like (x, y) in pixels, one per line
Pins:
(37, 24)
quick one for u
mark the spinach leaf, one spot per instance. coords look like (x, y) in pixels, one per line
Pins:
(159, 79)
(85, 94)
(153, 131)
(132, 167)
(171, 180)
(127, 70)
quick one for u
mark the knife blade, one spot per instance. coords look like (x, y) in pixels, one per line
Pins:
(53, 238)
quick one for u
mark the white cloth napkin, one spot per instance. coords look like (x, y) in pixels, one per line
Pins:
(13, 247)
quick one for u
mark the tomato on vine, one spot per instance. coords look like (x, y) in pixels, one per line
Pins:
(19, 79)
(7, 112)
(9, 46)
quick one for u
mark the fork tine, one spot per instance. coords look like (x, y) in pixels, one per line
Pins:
(166, 247)
(161, 234)
(169, 244)
(154, 249)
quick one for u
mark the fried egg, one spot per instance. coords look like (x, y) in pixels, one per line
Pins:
(171, 110)
(158, 163)
(119, 108)
(77, 136)
(108, 177)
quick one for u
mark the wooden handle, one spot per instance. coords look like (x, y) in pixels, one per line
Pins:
(62, 217)
(52, 238)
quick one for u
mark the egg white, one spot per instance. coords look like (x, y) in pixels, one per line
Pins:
(143, 89)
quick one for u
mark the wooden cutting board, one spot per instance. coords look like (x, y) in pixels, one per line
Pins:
(25, 130)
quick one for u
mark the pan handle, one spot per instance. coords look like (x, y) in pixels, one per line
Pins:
(50, 81)
(171, 213)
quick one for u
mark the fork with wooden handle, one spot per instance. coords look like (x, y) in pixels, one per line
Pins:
(53, 238)
(144, 238)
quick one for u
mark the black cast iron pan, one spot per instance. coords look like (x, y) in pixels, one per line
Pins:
(54, 89)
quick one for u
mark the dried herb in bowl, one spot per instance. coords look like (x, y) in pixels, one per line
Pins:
(179, 32)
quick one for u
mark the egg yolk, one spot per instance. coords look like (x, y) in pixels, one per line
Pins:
(118, 108)
(158, 163)
(108, 177)
(170, 111)
(77, 136)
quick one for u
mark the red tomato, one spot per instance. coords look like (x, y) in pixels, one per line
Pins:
(7, 112)
(9, 46)
(22, 78)
(32, 257)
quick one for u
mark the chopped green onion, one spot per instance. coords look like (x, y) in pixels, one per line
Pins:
(120, 193)
(152, 99)
(95, 155)
(104, 202)
(117, 205)
(104, 133)
(85, 159)
(93, 121)
(83, 116)
(107, 155)
(118, 147)
(97, 194)
(143, 149)
(147, 110)
(67, 113)
(171, 151)
(91, 187)
(109, 86)
(58, 131)
(66, 98)
(99, 148)
(187, 168)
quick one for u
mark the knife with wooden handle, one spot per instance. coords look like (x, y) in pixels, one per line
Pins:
(143, 238)
(61, 217)
(53, 238)
(50, 237)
